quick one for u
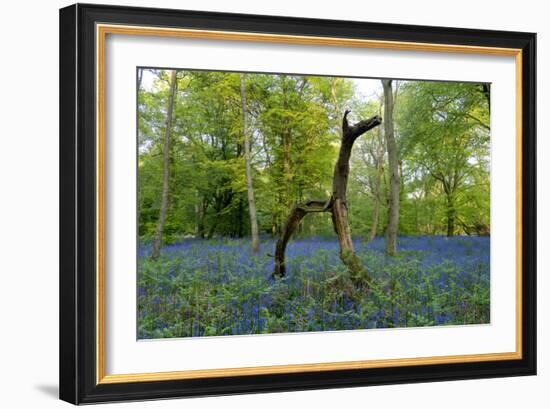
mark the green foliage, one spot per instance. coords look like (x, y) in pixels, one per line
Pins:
(444, 139)
(442, 131)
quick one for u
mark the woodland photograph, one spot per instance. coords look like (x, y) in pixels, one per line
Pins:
(279, 203)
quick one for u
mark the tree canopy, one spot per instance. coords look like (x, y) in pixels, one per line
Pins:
(293, 125)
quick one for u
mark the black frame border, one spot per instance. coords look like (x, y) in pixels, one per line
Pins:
(77, 251)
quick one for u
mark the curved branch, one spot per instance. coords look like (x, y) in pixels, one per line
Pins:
(296, 215)
(315, 206)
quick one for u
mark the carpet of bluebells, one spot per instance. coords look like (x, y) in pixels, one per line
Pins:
(219, 287)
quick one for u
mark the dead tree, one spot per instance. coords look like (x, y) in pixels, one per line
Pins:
(336, 204)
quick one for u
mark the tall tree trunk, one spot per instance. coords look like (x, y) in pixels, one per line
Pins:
(248, 167)
(377, 199)
(379, 158)
(451, 215)
(393, 162)
(166, 167)
(336, 204)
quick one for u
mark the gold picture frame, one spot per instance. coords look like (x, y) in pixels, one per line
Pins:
(99, 21)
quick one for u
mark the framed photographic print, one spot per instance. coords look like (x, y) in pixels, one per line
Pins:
(257, 203)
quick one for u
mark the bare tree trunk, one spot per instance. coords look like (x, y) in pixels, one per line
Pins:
(379, 158)
(166, 167)
(377, 200)
(393, 162)
(296, 215)
(339, 196)
(249, 184)
(336, 204)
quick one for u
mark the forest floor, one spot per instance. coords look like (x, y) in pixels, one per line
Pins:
(219, 287)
